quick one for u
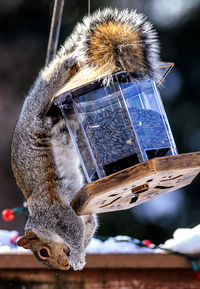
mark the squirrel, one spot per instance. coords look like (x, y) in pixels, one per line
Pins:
(43, 158)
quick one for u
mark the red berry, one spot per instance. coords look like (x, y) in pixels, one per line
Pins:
(147, 243)
(13, 239)
(8, 215)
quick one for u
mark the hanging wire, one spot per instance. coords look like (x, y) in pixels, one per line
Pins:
(89, 7)
(54, 30)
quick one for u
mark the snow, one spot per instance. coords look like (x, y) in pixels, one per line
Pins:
(6, 246)
(184, 240)
(5, 237)
(117, 245)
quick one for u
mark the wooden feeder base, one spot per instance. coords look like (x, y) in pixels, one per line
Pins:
(137, 184)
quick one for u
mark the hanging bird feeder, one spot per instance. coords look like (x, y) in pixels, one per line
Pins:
(124, 141)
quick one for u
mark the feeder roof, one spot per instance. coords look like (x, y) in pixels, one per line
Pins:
(89, 75)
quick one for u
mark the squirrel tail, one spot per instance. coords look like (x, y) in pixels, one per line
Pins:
(117, 40)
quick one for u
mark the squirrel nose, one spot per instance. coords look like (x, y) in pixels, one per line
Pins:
(65, 265)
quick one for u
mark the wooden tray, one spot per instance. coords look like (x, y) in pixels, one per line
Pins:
(137, 184)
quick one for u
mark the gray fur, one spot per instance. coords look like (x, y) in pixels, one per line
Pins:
(43, 156)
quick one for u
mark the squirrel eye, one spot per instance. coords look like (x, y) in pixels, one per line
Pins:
(67, 252)
(44, 253)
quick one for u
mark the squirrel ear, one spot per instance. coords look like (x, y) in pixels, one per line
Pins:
(27, 240)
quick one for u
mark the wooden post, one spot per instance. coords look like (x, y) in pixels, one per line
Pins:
(110, 271)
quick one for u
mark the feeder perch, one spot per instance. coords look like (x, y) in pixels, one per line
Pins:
(124, 141)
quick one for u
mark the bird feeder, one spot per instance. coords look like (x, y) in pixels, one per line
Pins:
(124, 141)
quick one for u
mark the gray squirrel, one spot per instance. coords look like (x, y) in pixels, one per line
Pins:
(43, 158)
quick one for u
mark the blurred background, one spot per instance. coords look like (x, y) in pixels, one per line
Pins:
(23, 42)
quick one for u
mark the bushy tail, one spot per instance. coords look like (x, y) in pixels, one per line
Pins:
(117, 40)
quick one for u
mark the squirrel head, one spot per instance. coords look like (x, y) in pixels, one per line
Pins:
(53, 253)
(55, 235)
